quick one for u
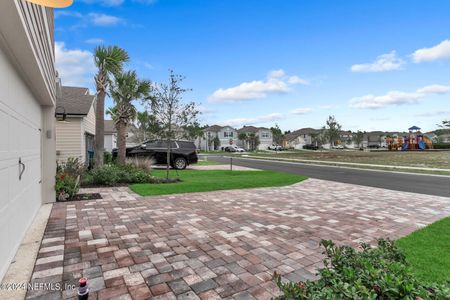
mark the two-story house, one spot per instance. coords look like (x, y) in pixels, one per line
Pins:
(264, 134)
(299, 138)
(216, 137)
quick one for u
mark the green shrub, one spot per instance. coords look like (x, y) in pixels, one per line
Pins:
(105, 175)
(107, 158)
(111, 175)
(72, 166)
(373, 273)
(66, 186)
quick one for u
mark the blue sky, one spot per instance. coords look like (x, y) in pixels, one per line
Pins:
(375, 65)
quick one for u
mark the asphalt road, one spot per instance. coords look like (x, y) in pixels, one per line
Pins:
(422, 184)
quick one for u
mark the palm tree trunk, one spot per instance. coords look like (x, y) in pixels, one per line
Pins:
(100, 128)
(121, 142)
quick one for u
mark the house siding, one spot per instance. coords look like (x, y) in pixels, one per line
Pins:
(69, 139)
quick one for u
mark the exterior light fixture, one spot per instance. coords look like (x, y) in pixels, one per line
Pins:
(60, 114)
(53, 3)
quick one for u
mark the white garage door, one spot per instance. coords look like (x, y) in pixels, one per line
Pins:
(20, 138)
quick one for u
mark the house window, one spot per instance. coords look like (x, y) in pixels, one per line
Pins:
(265, 135)
(228, 134)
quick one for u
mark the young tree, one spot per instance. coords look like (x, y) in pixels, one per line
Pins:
(193, 132)
(277, 134)
(445, 124)
(244, 138)
(216, 142)
(172, 114)
(332, 130)
(358, 138)
(125, 89)
(109, 61)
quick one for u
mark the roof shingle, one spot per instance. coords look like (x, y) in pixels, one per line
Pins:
(75, 100)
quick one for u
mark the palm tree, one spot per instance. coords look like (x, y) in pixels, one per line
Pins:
(125, 89)
(109, 61)
(244, 138)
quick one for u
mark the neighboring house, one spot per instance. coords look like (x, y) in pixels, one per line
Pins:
(299, 138)
(374, 139)
(27, 121)
(226, 135)
(110, 136)
(75, 135)
(264, 134)
(445, 138)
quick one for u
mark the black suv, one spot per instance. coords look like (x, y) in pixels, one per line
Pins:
(310, 147)
(182, 153)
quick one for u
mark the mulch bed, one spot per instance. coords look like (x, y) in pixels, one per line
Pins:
(86, 197)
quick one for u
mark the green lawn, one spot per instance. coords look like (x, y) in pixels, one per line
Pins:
(208, 163)
(205, 181)
(427, 159)
(428, 251)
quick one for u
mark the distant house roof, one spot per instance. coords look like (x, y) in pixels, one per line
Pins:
(297, 133)
(251, 129)
(214, 128)
(109, 127)
(75, 100)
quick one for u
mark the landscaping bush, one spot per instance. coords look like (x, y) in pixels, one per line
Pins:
(111, 175)
(67, 178)
(107, 158)
(142, 163)
(373, 273)
(66, 186)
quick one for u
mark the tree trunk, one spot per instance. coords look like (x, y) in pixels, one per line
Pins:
(121, 142)
(100, 128)
(169, 150)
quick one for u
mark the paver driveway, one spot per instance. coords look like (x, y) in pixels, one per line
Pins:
(218, 244)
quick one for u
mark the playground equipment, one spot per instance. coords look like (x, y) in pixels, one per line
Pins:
(415, 140)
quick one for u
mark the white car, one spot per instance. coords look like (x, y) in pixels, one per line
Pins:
(233, 148)
(275, 147)
(340, 147)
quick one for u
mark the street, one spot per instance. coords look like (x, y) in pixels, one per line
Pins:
(422, 184)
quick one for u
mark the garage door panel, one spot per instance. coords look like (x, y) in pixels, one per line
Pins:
(4, 133)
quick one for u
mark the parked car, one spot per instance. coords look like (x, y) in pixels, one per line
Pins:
(275, 147)
(233, 148)
(339, 147)
(183, 153)
(311, 147)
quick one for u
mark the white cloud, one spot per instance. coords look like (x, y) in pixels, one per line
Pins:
(75, 67)
(440, 51)
(434, 89)
(205, 110)
(98, 19)
(434, 114)
(276, 82)
(326, 106)
(104, 20)
(94, 41)
(67, 13)
(277, 73)
(297, 80)
(105, 2)
(301, 111)
(397, 97)
(117, 2)
(383, 63)
(252, 121)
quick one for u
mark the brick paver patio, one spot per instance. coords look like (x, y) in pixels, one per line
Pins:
(215, 245)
